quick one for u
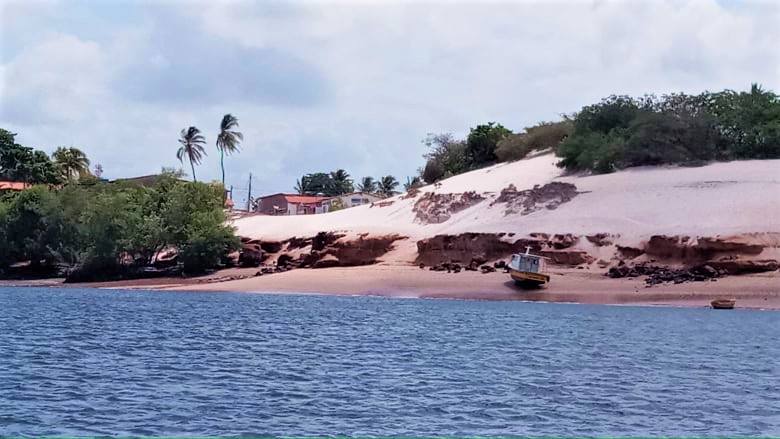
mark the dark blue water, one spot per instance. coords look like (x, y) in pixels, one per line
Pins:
(92, 362)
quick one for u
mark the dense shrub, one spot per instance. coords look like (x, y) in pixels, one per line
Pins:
(107, 226)
(621, 132)
(482, 141)
(447, 157)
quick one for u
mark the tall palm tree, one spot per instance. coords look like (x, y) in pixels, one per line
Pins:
(387, 185)
(367, 185)
(72, 161)
(228, 140)
(192, 147)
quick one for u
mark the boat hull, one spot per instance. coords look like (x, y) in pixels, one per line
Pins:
(529, 277)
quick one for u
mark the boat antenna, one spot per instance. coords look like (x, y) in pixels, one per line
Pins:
(527, 249)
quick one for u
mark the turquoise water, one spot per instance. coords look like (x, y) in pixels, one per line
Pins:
(96, 362)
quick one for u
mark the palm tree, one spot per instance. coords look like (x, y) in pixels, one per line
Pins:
(387, 185)
(342, 184)
(72, 161)
(367, 185)
(228, 140)
(302, 185)
(192, 147)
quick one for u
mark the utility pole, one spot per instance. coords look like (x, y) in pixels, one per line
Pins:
(249, 195)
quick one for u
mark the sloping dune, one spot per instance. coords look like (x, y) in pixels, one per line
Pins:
(720, 198)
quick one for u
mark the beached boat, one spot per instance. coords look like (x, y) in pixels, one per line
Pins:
(723, 303)
(528, 270)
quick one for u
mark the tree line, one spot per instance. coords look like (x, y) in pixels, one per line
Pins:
(623, 131)
(339, 182)
(70, 221)
(28, 165)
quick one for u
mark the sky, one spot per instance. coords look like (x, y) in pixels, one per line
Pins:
(321, 85)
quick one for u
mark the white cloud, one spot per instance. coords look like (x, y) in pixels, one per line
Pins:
(56, 80)
(393, 72)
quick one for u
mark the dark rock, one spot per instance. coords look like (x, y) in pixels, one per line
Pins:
(477, 260)
(251, 255)
(271, 246)
(284, 260)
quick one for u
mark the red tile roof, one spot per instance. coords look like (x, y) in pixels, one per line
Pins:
(13, 186)
(304, 199)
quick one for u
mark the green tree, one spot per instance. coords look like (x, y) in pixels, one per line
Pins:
(228, 140)
(387, 185)
(20, 163)
(481, 143)
(191, 147)
(30, 225)
(367, 185)
(72, 162)
(208, 242)
(341, 182)
(749, 122)
(446, 157)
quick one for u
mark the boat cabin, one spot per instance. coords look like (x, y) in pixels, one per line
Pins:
(528, 263)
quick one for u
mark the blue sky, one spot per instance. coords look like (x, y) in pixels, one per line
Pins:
(356, 85)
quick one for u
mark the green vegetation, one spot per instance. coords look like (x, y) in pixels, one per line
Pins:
(621, 132)
(72, 162)
(447, 157)
(339, 182)
(367, 185)
(92, 228)
(387, 185)
(326, 184)
(545, 135)
(192, 142)
(482, 141)
(21, 163)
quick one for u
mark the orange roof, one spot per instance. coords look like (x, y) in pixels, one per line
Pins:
(13, 186)
(303, 199)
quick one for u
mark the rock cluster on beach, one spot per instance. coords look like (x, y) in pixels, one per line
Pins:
(658, 275)
(474, 265)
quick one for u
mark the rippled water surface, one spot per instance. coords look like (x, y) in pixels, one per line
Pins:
(97, 362)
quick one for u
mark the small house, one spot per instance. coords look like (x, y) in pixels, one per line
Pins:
(292, 204)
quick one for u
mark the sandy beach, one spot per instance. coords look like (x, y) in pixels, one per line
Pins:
(758, 291)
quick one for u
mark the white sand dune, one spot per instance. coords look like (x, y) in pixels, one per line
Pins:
(717, 199)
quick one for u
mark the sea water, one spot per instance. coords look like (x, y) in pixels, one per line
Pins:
(76, 362)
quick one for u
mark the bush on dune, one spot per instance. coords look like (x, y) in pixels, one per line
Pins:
(622, 132)
(545, 135)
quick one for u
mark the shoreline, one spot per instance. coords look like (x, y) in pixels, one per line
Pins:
(758, 291)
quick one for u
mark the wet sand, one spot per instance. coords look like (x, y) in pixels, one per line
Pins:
(576, 286)
(760, 291)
